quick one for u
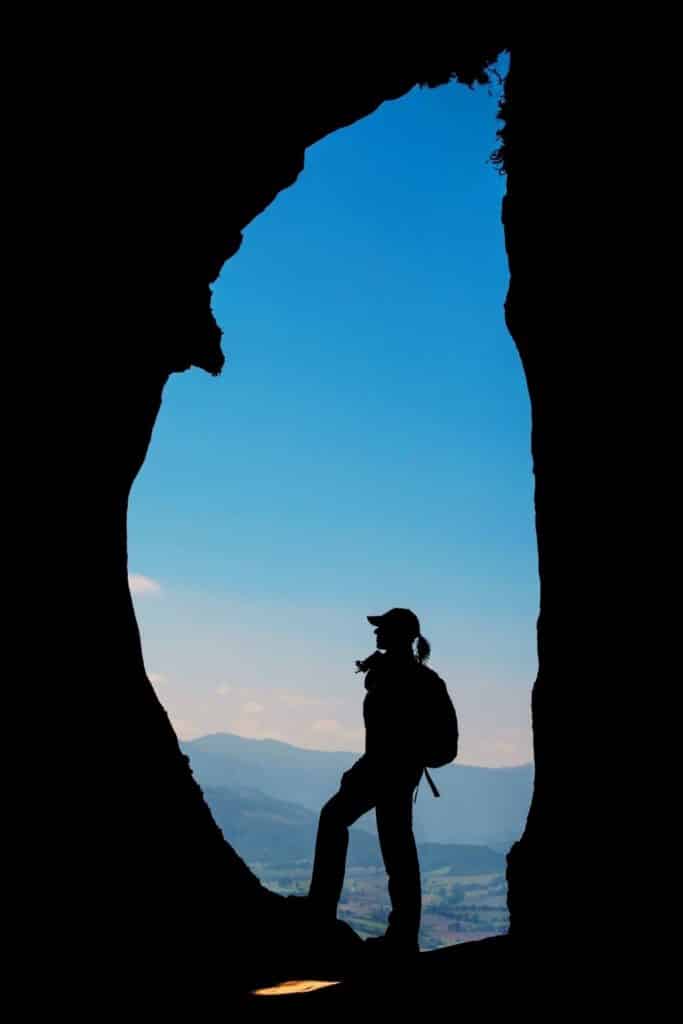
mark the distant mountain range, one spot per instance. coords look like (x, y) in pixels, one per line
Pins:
(280, 834)
(480, 806)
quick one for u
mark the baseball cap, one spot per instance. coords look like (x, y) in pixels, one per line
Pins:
(402, 620)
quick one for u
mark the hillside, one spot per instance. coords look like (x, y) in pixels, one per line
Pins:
(278, 833)
(484, 806)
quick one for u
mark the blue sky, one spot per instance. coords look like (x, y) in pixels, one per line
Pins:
(366, 446)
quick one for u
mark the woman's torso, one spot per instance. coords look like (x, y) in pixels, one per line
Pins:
(390, 709)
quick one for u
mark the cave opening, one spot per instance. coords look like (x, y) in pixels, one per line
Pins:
(316, 477)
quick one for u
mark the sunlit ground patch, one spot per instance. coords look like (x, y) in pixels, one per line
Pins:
(289, 988)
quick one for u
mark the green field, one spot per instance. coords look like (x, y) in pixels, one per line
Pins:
(455, 908)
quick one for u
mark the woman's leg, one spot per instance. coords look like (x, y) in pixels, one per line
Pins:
(354, 799)
(397, 842)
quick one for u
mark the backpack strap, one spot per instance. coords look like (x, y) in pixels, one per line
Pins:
(431, 784)
(429, 780)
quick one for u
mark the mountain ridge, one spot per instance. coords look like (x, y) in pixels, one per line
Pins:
(268, 741)
(478, 805)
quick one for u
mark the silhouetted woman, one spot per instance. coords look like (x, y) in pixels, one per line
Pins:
(385, 778)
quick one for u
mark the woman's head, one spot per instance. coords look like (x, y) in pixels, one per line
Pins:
(397, 629)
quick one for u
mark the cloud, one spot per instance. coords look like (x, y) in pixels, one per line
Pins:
(506, 747)
(335, 733)
(143, 584)
(223, 691)
(326, 725)
(187, 730)
(301, 700)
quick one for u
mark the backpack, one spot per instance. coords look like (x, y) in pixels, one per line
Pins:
(438, 725)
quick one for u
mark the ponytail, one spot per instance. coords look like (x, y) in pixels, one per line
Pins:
(423, 649)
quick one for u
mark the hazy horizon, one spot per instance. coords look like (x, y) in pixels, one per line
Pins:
(319, 750)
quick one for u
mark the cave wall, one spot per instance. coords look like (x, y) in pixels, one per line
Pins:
(168, 177)
(567, 244)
